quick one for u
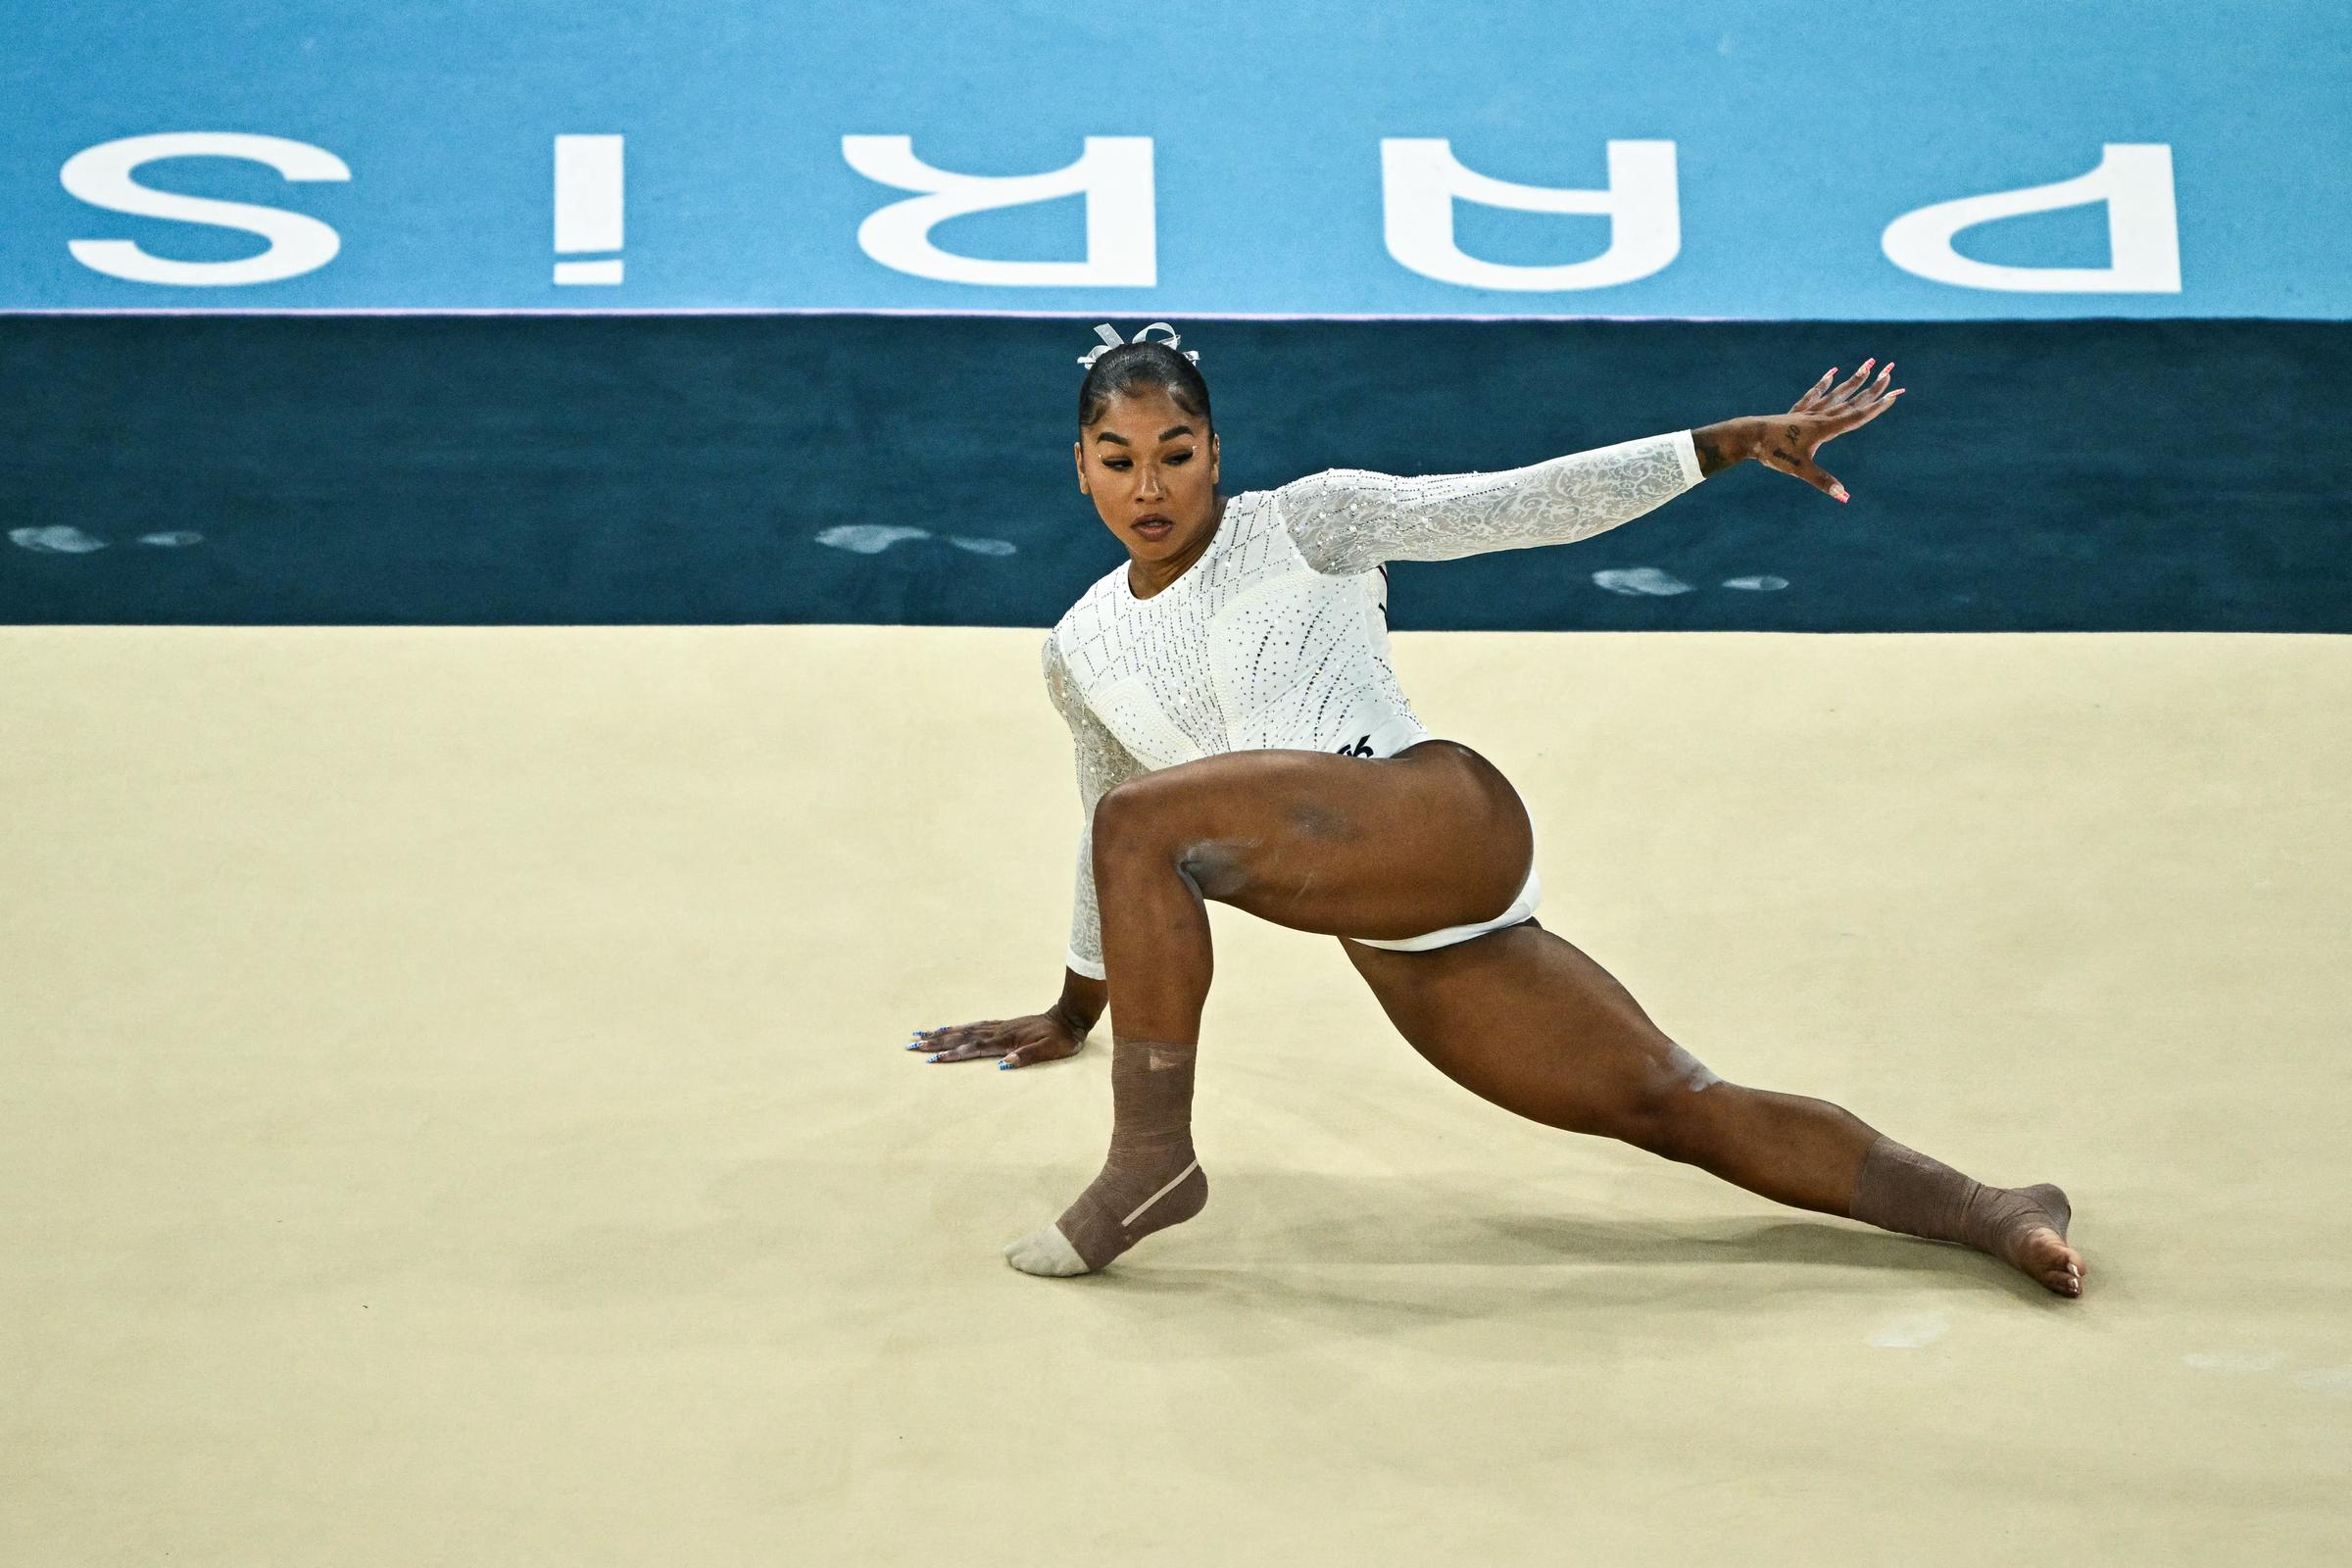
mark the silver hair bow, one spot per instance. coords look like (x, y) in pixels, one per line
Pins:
(1111, 340)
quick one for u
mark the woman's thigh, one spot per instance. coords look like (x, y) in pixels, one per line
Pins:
(1370, 846)
(1528, 1021)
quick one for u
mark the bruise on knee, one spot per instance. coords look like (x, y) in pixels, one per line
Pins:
(1217, 868)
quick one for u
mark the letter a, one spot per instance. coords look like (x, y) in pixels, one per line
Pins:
(1113, 175)
(2143, 241)
(1421, 181)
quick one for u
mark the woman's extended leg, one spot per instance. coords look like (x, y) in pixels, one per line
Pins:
(1381, 848)
(1525, 1019)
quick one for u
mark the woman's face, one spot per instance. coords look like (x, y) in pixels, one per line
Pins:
(1148, 458)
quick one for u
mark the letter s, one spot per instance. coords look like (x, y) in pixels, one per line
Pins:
(101, 176)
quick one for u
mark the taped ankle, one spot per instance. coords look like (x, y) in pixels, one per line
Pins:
(1151, 1178)
(1902, 1189)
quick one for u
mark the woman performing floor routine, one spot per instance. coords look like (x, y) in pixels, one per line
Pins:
(1241, 736)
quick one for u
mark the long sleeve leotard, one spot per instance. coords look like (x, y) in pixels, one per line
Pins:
(1278, 635)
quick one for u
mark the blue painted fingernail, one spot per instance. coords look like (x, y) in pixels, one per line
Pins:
(935, 1059)
(1001, 1065)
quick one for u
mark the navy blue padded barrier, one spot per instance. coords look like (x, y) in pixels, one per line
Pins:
(2039, 475)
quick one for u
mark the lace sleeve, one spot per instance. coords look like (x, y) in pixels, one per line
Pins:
(1101, 762)
(1347, 520)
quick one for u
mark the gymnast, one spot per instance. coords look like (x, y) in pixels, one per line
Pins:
(1241, 736)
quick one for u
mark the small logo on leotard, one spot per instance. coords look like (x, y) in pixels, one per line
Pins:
(1361, 748)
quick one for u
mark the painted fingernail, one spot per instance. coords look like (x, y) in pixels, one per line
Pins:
(934, 1058)
(1006, 1064)
(1838, 491)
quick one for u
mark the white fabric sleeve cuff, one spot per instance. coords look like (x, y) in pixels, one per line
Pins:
(1686, 447)
(1092, 969)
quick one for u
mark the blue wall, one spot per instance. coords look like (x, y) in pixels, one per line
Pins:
(1798, 138)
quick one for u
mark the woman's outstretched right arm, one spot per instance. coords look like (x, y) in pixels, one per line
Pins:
(1102, 761)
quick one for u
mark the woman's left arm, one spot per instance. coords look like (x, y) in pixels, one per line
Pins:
(1348, 521)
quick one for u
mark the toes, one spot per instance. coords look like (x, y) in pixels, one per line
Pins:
(1046, 1251)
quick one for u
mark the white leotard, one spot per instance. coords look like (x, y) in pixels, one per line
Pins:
(1278, 635)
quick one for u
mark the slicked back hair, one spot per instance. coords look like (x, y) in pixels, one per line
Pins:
(1136, 366)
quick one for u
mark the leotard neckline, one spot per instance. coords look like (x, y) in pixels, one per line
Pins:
(1216, 542)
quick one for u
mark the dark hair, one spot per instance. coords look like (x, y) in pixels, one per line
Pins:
(1134, 366)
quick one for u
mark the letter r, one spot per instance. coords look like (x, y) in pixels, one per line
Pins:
(1113, 175)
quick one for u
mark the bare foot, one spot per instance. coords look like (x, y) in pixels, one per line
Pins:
(2035, 1241)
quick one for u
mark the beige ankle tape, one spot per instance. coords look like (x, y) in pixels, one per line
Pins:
(1903, 1189)
(1151, 1178)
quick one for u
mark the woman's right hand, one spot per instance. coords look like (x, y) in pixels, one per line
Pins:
(1039, 1037)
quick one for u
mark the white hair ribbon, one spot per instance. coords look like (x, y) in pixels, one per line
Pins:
(1111, 340)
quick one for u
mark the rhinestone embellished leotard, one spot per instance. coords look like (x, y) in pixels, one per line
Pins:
(1278, 635)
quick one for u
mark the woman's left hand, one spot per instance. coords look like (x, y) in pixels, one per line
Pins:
(1789, 440)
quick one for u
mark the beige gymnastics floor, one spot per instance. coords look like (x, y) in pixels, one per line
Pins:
(452, 1112)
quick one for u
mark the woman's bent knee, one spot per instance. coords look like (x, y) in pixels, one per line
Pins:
(1673, 1119)
(1139, 825)
(1136, 817)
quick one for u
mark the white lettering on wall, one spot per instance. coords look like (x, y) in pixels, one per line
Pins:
(101, 176)
(1421, 181)
(2143, 241)
(1113, 175)
(588, 215)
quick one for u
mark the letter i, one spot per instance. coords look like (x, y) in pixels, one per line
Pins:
(588, 206)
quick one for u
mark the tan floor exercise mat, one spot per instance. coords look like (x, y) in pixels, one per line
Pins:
(452, 1111)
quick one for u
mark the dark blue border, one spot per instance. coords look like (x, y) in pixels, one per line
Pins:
(2092, 475)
